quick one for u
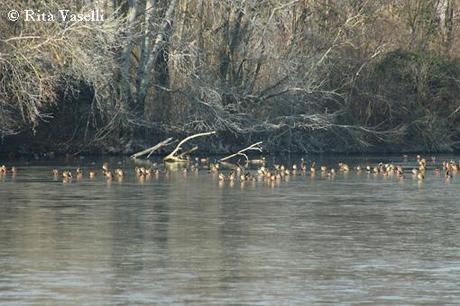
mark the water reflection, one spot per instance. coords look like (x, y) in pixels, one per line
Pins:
(190, 239)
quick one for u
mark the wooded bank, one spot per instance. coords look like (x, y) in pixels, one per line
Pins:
(301, 75)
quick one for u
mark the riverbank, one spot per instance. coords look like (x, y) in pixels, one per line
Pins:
(40, 147)
(406, 103)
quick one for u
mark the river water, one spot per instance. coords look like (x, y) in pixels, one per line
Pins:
(190, 240)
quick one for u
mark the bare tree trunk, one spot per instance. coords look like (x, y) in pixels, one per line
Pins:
(159, 43)
(445, 12)
(127, 52)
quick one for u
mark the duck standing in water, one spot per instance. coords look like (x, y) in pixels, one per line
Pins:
(448, 175)
(79, 173)
(92, 174)
(331, 173)
(422, 165)
(120, 173)
(399, 171)
(312, 168)
(303, 165)
(214, 168)
(231, 176)
(105, 167)
(66, 175)
(344, 167)
(420, 176)
(109, 175)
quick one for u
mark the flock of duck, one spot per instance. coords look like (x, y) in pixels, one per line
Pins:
(261, 172)
(447, 168)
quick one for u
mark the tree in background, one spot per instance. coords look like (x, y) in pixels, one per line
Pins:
(303, 75)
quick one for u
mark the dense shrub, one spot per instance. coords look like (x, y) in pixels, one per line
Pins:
(416, 93)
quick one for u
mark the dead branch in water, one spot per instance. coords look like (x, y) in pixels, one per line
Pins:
(254, 147)
(152, 149)
(188, 152)
(172, 157)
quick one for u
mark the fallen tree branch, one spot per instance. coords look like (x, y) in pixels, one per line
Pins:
(254, 147)
(188, 152)
(152, 149)
(172, 157)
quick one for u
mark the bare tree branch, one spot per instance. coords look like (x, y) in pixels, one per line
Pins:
(254, 147)
(172, 157)
(150, 150)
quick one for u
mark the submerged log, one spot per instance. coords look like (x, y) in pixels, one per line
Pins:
(173, 157)
(152, 149)
(254, 147)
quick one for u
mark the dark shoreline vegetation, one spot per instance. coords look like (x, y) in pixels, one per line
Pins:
(301, 76)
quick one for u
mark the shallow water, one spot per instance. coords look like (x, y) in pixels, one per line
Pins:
(191, 240)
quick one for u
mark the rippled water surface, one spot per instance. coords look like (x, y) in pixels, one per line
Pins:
(190, 240)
